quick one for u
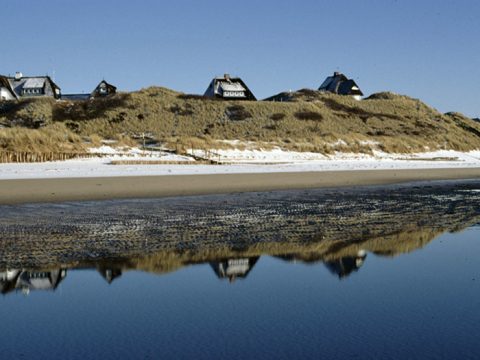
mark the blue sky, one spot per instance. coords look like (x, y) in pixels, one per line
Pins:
(425, 49)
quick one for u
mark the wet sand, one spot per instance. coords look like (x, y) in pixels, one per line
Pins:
(72, 189)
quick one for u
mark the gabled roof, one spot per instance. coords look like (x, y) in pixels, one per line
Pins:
(231, 84)
(110, 88)
(340, 84)
(6, 84)
(32, 82)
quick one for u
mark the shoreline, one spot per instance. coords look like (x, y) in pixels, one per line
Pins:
(22, 191)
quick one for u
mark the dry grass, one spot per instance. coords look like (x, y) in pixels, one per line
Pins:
(308, 121)
(52, 138)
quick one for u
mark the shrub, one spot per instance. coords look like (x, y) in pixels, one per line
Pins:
(237, 113)
(277, 116)
(308, 115)
(178, 110)
(72, 125)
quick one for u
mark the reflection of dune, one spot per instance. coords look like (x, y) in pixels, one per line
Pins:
(164, 235)
(318, 251)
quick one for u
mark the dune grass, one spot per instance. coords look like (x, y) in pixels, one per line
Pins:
(52, 138)
(308, 121)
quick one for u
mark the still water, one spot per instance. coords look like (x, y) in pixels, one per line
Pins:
(372, 272)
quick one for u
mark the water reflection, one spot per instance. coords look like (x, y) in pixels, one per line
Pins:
(232, 269)
(109, 273)
(341, 267)
(27, 280)
(346, 265)
(335, 229)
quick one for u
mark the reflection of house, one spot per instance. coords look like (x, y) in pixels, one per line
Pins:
(342, 267)
(229, 88)
(234, 268)
(8, 280)
(109, 274)
(346, 265)
(26, 280)
(341, 85)
(103, 89)
(34, 86)
(6, 90)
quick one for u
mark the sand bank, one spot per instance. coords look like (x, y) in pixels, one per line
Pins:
(72, 189)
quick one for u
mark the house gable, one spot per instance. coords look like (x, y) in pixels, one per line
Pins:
(31, 86)
(341, 85)
(103, 89)
(229, 88)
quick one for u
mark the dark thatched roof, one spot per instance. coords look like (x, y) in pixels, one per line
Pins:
(222, 87)
(341, 85)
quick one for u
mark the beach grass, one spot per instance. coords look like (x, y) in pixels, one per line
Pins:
(309, 121)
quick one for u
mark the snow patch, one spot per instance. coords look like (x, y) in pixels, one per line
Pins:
(236, 161)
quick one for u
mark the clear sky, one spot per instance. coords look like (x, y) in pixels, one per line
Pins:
(428, 49)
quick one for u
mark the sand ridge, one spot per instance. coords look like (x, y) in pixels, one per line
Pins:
(75, 189)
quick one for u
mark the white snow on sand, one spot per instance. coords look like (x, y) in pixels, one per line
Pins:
(237, 161)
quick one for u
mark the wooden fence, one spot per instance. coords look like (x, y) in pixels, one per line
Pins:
(29, 157)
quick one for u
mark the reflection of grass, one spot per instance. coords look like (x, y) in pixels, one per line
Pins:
(309, 121)
(392, 245)
(162, 235)
(323, 250)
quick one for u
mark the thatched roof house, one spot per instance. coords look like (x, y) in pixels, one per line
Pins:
(103, 89)
(34, 86)
(229, 88)
(341, 85)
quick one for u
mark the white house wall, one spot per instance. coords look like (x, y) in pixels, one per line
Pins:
(5, 94)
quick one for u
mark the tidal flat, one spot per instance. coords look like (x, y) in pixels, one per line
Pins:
(364, 272)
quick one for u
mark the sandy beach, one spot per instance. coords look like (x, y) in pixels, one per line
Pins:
(102, 188)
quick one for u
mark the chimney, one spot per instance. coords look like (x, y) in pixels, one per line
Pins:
(18, 75)
(226, 76)
(336, 73)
